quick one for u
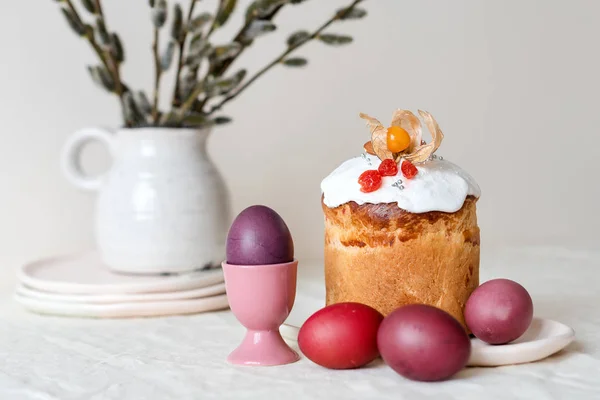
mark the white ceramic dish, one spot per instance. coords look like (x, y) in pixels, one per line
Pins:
(86, 274)
(208, 291)
(124, 310)
(543, 338)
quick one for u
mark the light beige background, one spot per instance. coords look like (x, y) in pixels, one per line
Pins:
(514, 85)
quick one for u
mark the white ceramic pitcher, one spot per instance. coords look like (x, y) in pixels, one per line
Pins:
(162, 207)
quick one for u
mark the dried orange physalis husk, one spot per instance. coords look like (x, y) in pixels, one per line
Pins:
(416, 152)
(378, 137)
(406, 120)
(422, 153)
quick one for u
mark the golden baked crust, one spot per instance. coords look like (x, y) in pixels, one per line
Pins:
(386, 257)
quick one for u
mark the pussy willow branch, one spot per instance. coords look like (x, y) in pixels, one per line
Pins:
(89, 36)
(176, 100)
(110, 56)
(99, 8)
(279, 59)
(194, 71)
(213, 26)
(104, 56)
(221, 68)
(157, 74)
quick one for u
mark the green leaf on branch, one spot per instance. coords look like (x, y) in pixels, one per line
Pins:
(199, 87)
(187, 84)
(221, 86)
(295, 62)
(262, 8)
(199, 45)
(221, 120)
(198, 49)
(197, 40)
(152, 2)
(116, 48)
(89, 5)
(75, 24)
(239, 76)
(133, 115)
(221, 53)
(95, 74)
(199, 22)
(251, 11)
(193, 61)
(226, 8)
(159, 14)
(297, 38)
(351, 13)
(196, 120)
(177, 31)
(334, 40)
(170, 119)
(143, 103)
(167, 56)
(258, 28)
(101, 33)
(102, 77)
(266, 7)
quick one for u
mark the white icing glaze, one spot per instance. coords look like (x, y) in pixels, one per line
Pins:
(439, 186)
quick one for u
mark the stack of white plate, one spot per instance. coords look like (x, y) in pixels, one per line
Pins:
(82, 286)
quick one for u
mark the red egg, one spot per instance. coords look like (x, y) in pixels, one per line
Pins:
(423, 343)
(499, 311)
(341, 336)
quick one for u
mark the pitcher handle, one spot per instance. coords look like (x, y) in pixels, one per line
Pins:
(71, 156)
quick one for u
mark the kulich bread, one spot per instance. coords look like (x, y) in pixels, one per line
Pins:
(386, 257)
(397, 236)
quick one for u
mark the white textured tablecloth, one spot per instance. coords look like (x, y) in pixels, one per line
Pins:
(184, 357)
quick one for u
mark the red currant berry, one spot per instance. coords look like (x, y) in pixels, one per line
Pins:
(388, 167)
(369, 181)
(408, 169)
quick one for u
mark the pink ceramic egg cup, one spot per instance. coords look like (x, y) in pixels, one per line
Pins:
(261, 298)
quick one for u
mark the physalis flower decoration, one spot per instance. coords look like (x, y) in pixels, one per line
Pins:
(402, 140)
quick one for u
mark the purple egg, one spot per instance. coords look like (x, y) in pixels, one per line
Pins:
(259, 236)
(423, 343)
(499, 311)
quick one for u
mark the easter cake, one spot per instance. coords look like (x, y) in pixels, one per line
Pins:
(400, 222)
